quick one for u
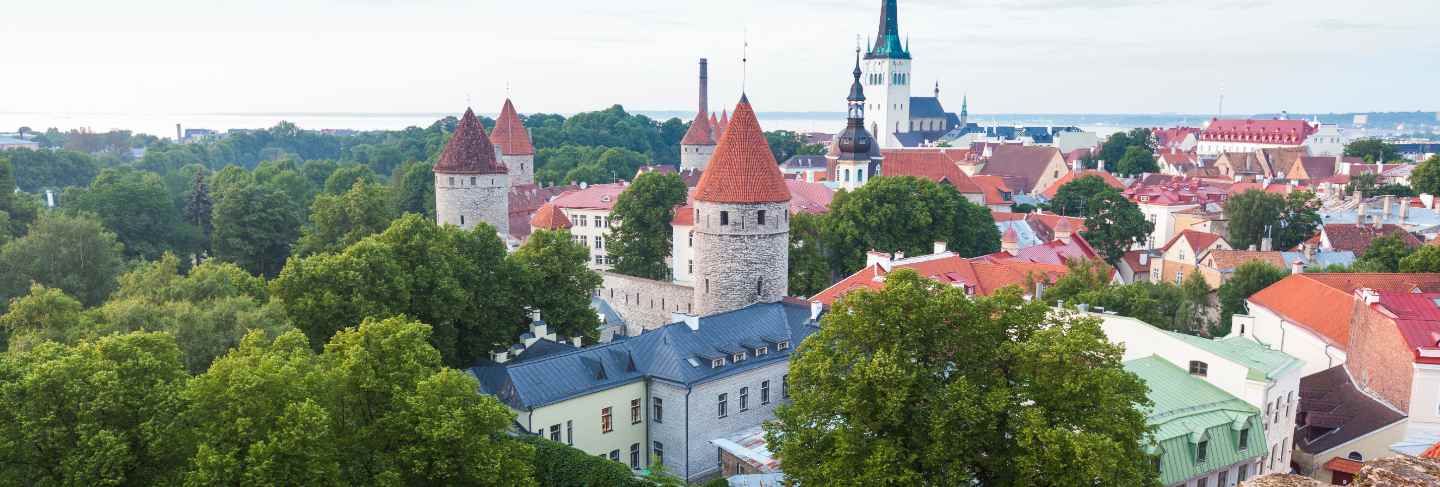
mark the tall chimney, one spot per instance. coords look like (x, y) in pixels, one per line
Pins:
(177, 133)
(704, 87)
(1385, 214)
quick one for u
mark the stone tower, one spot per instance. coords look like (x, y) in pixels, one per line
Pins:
(471, 186)
(513, 140)
(887, 72)
(742, 222)
(856, 158)
(699, 144)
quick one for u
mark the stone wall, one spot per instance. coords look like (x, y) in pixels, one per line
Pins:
(645, 304)
(695, 156)
(743, 262)
(1378, 358)
(522, 168)
(706, 425)
(466, 199)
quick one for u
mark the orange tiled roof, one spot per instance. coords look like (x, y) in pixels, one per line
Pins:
(932, 165)
(469, 150)
(981, 276)
(1110, 180)
(1322, 302)
(510, 134)
(550, 217)
(994, 188)
(1342, 464)
(699, 133)
(1230, 259)
(742, 170)
(1199, 241)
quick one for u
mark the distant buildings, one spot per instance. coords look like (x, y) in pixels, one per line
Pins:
(1227, 135)
(7, 143)
(892, 115)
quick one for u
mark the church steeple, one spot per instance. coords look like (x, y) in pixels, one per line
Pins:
(887, 43)
(964, 109)
(855, 142)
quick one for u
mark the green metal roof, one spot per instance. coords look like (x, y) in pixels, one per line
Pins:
(1264, 362)
(1188, 410)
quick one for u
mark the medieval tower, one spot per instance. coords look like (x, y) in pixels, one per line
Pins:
(887, 72)
(856, 158)
(471, 185)
(699, 143)
(513, 141)
(742, 222)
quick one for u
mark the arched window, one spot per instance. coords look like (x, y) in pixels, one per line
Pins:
(1356, 456)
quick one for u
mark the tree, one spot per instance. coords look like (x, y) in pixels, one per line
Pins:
(44, 314)
(254, 227)
(1426, 176)
(1372, 150)
(1073, 198)
(1424, 259)
(1288, 219)
(904, 214)
(919, 384)
(1114, 224)
(345, 177)
(641, 242)
(413, 187)
(557, 282)
(1115, 146)
(559, 465)
(1364, 183)
(94, 413)
(17, 215)
(454, 280)
(809, 269)
(337, 221)
(199, 207)
(785, 144)
(1195, 303)
(136, 206)
(71, 252)
(1385, 253)
(1247, 280)
(1137, 160)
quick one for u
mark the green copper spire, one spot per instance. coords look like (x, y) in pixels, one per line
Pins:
(888, 44)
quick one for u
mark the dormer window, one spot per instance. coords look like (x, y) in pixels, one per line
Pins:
(762, 351)
(1200, 451)
(1198, 368)
(782, 345)
(1244, 438)
(717, 363)
(738, 357)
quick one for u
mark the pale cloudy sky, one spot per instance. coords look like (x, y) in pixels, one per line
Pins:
(1012, 56)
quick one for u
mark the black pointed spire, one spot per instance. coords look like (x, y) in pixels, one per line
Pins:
(854, 142)
(857, 91)
(888, 44)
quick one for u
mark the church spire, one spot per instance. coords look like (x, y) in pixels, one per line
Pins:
(964, 109)
(888, 44)
(854, 142)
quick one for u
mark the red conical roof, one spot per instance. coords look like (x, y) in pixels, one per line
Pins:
(1010, 236)
(742, 170)
(715, 126)
(699, 133)
(724, 120)
(510, 134)
(469, 150)
(550, 217)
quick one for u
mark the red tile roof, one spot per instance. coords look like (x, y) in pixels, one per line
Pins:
(1072, 175)
(1172, 136)
(980, 276)
(510, 134)
(1417, 318)
(1342, 464)
(1322, 302)
(1199, 241)
(809, 197)
(742, 170)
(1055, 252)
(996, 191)
(593, 197)
(699, 133)
(1290, 132)
(933, 165)
(1357, 238)
(724, 121)
(469, 150)
(550, 217)
(525, 200)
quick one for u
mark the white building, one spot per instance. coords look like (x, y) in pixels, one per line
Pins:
(588, 211)
(1220, 136)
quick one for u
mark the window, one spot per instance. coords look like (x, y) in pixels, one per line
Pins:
(599, 242)
(846, 174)
(1221, 479)
(452, 180)
(597, 222)
(585, 240)
(575, 221)
(1198, 368)
(1356, 456)
(1202, 482)
(614, 455)
(785, 386)
(692, 239)
(659, 413)
(635, 411)
(782, 345)
(765, 392)
(1289, 401)
(691, 265)
(1156, 463)
(759, 285)
(724, 218)
(1200, 451)
(599, 260)
(1179, 276)
(658, 450)
(472, 180)
(1243, 473)
(762, 351)
(717, 363)
(569, 432)
(462, 220)
(555, 432)
(1244, 438)
(744, 399)
(760, 216)
(606, 425)
(738, 357)
(721, 400)
(634, 455)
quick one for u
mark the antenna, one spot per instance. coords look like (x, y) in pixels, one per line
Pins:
(745, 60)
(1220, 111)
(467, 99)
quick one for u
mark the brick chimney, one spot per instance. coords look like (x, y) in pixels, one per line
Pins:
(874, 257)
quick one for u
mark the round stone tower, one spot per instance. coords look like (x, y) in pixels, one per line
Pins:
(698, 145)
(742, 222)
(513, 140)
(471, 186)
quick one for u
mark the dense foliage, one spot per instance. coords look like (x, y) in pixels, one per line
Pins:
(640, 225)
(1287, 219)
(1114, 224)
(919, 384)
(1114, 149)
(1181, 308)
(1247, 280)
(904, 214)
(1372, 150)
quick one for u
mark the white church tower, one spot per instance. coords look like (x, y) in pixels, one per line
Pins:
(887, 76)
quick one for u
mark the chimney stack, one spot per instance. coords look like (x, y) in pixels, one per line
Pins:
(1404, 208)
(177, 133)
(1297, 266)
(940, 246)
(704, 86)
(1385, 214)
(1360, 213)
(1266, 244)
(877, 257)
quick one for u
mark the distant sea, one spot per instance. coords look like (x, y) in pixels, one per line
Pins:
(163, 124)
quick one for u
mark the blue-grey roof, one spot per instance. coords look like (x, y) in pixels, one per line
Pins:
(603, 308)
(911, 139)
(1321, 258)
(926, 107)
(662, 354)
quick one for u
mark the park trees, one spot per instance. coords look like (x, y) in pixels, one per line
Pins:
(71, 252)
(1248, 279)
(905, 214)
(1287, 219)
(1114, 224)
(556, 282)
(337, 221)
(919, 384)
(640, 235)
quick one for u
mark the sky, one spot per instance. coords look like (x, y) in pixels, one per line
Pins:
(428, 56)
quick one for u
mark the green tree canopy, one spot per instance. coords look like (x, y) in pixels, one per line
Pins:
(137, 207)
(1426, 176)
(1136, 160)
(1424, 259)
(36, 171)
(1073, 198)
(785, 144)
(71, 252)
(413, 188)
(1247, 280)
(346, 176)
(809, 268)
(1372, 150)
(640, 236)
(1115, 146)
(337, 221)
(1384, 254)
(1289, 219)
(254, 225)
(919, 384)
(1114, 224)
(557, 282)
(904, 214)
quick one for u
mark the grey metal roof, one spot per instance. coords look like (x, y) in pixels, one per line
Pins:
(662, 354)
(926, 107)
(804, 162)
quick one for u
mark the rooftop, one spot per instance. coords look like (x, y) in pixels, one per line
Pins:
(742, 170)
(1264, 363)
(592, 197)
(1188, 410)
(469, 150)
(510, 134)
(1323, 302)
(1333, 411)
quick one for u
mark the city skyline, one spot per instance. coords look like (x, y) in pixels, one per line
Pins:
(382, 56)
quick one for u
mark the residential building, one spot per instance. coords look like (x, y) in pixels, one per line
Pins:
(1394, 354)
(1338, 426)
(1180, 139)
(1203, 435)
(1266, 379)
(1071, 141)
(1181, 255)
(1025, 169)
(525, 200)
(980, 276)
(7, 143)
(1160, 198)
(1221, 136)
(1356, 237)
(809, 168)
(472, 186)
(1217, 266)
(1077, 172)
(588, 210)
(666, 394)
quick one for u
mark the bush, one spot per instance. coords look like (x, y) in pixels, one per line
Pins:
(558, 465)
